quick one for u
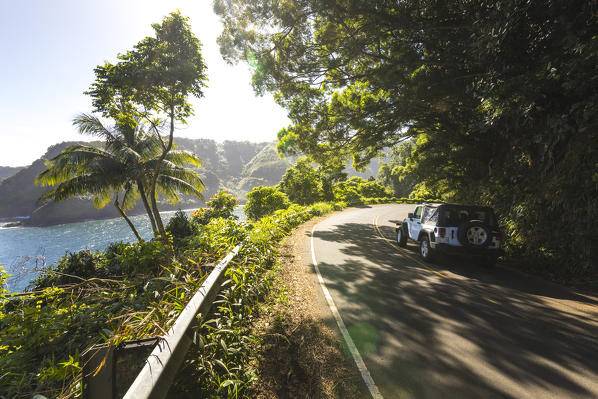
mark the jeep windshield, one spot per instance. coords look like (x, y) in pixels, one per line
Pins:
(455, 215)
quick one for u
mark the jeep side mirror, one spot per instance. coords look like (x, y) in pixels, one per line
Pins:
(410, 215)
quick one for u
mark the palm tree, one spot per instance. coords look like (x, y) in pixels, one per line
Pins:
(124, 166)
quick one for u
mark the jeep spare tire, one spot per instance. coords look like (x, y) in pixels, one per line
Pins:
(474, 234)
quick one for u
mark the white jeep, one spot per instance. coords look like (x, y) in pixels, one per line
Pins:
(452, 229)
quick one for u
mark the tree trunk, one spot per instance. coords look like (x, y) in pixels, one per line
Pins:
(165, 151)
(150, 214)
(123, 214)
(159, 224)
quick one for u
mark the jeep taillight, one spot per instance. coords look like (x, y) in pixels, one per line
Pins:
(441, 231)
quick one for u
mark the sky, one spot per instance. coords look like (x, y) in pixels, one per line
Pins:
(50, 48)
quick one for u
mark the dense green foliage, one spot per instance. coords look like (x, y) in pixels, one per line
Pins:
(78, 303)
(356, 189)
(73, 268)
(392, 174)
(221, 205)
(136, 290)
(304, 184)
(301, 183)
(499, 98)
(263, 201)
(179, 227)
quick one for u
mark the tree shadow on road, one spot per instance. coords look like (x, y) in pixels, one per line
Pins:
(431, 325)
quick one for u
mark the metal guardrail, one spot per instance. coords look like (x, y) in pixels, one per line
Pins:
(161, 366)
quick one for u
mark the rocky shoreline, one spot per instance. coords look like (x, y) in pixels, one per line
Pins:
(17, 221)
(11, 224)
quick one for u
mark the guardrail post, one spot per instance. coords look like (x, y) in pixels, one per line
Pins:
(108, 371)
(98, 372)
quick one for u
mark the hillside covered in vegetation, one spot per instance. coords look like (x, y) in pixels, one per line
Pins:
(236, 166)
(232, 165)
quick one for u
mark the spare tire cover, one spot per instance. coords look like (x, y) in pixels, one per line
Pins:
(474, 234)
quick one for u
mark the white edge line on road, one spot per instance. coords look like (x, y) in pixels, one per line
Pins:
(365, 374)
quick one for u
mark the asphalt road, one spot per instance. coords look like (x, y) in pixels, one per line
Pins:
(453, 329)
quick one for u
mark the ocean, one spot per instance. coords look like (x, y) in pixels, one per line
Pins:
(24, 250)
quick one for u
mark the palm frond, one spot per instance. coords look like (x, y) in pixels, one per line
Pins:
(167, 184)
(130, 197)
(102, 199)
(96, 185)
(91, 125)
(129, 157)
(181, 157)
(169, 193)
(74, 161)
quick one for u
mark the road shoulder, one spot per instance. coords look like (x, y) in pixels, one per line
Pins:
(300, 353)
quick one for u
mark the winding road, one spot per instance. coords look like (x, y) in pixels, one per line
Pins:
(452, 329)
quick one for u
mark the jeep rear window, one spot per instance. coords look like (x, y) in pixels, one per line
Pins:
(430, 215)
(456, 215)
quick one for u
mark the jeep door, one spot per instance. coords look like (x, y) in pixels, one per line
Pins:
(415, 224)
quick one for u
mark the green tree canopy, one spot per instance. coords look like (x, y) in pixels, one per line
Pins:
(301, 183)
(501, 98)
(220, 205)
(393, 174)
(156, 77)
(153, 82)
(263, 200)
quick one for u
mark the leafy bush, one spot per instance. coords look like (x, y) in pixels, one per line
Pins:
(180, 227)
(215, 239)
(337, 206)
(129, 259)
(421, 192)
(372, 189)
(72, 268)
(349, 195)
(262, 201)
(38, 344)
(321, 208)
(3, 291)
(202, 216)
(356, 189)
(221, 205)
(301, 183)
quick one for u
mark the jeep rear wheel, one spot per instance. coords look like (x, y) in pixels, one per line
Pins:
(425, 249)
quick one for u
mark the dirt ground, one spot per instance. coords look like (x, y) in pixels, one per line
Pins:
(300, 353)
